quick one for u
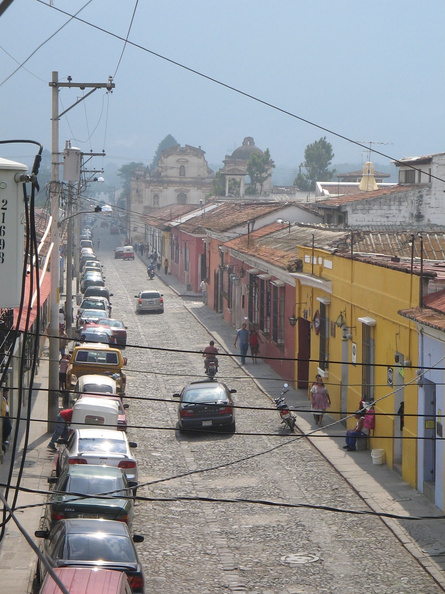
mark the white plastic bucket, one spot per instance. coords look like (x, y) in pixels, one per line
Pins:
(378, 456)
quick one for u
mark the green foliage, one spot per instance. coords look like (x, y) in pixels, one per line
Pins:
(167, 143)
(259, 168)
(317, 158)
(219, 184)
(125, 172)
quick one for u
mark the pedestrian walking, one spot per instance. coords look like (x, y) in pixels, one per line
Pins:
(203, 289)
(63, 366)
(63, 419)
(166, 266)
(254, 342)
(63, 341)
(158, 263)
(242, 336)
(320, 400)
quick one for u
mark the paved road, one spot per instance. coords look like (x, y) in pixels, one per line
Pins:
(219, 546)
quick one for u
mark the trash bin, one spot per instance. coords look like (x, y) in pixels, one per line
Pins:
(378, 456)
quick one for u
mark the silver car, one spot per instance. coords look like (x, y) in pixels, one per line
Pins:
(101, 447)
(149, 301)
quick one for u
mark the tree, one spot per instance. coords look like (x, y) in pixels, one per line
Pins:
(125, 172)
(167, 143)
(317, 158)
(259, 168)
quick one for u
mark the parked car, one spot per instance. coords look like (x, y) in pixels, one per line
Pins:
(95, 291)
(97, 359)
(98, 446)
(93, 264)
(93, 333)
(121, 407)
(83, 580)
(119, 252)
(94, 410)
(90, 480)
(88, 542)
(206, 405)
(92, 279)
(90, 315)
(86, 243)
(86, 258)
(128, 253)
(118, 329)
(149, 301)
(95, 302)
(96, 384)
(90, 268)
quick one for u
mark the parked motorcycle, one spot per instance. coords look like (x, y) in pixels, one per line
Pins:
(287, 417)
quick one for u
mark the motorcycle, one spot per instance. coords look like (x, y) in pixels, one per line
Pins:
(211, 367)
(151, 273)
(287, 417)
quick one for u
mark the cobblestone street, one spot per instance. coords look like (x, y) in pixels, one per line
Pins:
(225, 545)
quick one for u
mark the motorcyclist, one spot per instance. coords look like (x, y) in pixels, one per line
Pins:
(209, 354)
(151, 270)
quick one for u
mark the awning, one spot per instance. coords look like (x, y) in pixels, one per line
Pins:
(45, 288)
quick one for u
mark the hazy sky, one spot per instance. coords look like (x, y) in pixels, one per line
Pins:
(369, 71)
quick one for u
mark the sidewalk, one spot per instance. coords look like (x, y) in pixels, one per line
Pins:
(382, 488)
(17, 559)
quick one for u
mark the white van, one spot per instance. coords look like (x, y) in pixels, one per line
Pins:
(92, 410)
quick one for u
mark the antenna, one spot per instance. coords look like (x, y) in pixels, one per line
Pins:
(371, 142)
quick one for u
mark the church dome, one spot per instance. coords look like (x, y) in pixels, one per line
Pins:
(244, 151)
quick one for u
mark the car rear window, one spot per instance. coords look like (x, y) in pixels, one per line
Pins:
(91, 444)
(97, 388)
(103, 546)
(150, 295)
(94, 485)
(100, 357)
(204, 395)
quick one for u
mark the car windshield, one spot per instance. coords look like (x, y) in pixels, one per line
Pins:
(94, 313)
(94, 485)
(213, 394)
(92, 444)
(98, 546)
(92, 304)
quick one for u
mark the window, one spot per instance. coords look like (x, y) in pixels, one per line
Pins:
(264, 305)
(182, 171)
(186, 257)
(253, 299)
(407, 176)
(156, 200)
(324, 338)
(367, 359)
(277, 313)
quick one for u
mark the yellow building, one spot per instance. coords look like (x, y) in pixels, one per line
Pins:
(360, 344)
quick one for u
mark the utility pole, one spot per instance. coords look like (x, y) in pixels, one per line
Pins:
(55, 84)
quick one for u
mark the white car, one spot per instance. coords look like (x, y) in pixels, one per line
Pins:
(101, 447)
(96, 384)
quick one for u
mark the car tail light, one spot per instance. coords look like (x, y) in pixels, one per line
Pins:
(187, 412)
(136, 582)
(139, 301)
(127, 464)
(161, 300)
(122, 519)
(77, 461)
(227, 410)
(57, 516)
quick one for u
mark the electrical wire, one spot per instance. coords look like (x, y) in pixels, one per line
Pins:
(126, 39)
(239, 91)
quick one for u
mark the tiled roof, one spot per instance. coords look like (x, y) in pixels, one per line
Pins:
(360, 196)
(229, 215)
(173, 212)
(425, 316)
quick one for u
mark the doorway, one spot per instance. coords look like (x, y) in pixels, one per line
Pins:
(304, 353)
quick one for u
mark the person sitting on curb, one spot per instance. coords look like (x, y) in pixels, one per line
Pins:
(359, 431)
(63, 419)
